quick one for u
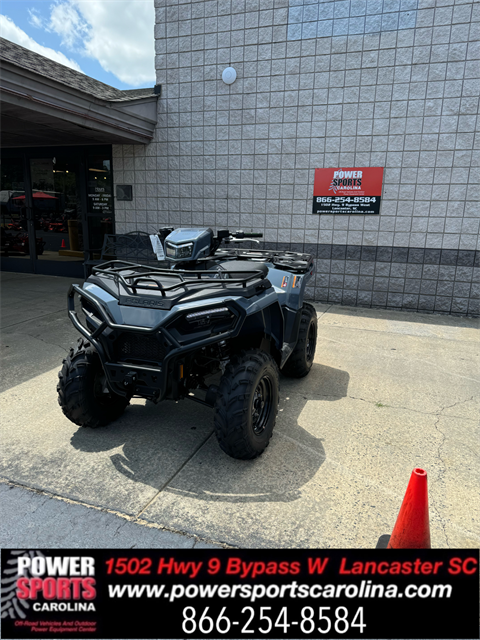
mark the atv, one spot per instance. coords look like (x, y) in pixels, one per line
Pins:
(215, 327)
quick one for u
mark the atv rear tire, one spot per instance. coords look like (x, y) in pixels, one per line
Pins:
(300, 361)
(82, 391)
(247, 404)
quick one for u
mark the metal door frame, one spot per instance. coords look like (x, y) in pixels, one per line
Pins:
(78, 156)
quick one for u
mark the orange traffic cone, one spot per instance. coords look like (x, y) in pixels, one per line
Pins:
(412, 528)
(63, 245)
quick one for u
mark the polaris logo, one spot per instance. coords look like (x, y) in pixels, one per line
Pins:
(143, 302)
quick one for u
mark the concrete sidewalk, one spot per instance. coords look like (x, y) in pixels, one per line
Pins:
(389, 391)
(34, 518)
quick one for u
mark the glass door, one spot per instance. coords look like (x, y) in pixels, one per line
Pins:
(100, 215)
(56, 207)
(14, 239)
(57, 215)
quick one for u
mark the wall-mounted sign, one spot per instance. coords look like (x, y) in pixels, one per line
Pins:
(348, 191)
(100, 201)
(124, 192)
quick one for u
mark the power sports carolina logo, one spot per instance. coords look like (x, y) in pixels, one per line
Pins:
(33, 582)
(346, 180)
(12, 605)
(347, 190)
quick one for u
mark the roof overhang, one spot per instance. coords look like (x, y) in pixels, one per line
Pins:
(38, 111)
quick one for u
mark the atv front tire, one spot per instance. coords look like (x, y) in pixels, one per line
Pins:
(82, 392)
(300, 361)
(247, 404)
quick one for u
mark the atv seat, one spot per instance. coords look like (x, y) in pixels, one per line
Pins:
(241, 266)
(133, 246)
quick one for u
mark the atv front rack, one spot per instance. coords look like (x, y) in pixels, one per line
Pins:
(156, 376)
(147, 278)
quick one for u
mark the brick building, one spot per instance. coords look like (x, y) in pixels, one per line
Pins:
(338, 83)
(319, 84)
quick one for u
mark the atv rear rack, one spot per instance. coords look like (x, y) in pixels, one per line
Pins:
(145, 278)
(287, 260)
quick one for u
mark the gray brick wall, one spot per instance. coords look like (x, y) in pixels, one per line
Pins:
(404, 97)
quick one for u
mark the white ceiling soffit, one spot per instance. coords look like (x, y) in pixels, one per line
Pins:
(67, 115)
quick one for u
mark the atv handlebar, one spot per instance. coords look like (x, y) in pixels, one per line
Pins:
(232, 236)
(239, 235)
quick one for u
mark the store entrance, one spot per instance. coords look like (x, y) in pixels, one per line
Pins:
(14, 239)
(55, 206)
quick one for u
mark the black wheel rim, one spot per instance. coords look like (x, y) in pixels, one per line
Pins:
(311, 340)
(262, 405)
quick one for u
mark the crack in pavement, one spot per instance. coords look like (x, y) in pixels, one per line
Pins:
(305, 447)
(127, 518)
(47, 342)
(442, 471)
(425, 413)
(392, 406)
(33, 319)
(167, 482)
(322, 313)
(320, 396)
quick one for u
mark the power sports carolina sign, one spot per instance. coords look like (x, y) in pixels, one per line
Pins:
(276, 594)
(348, 190)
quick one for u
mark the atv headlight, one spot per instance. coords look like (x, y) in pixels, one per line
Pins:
(179, 251)
(198, 325)
(170, 250)
(202, 318)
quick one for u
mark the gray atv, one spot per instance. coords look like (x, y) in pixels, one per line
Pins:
(215, 328)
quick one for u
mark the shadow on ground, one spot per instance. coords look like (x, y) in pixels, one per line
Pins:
(149, 434)
(407, 315)
(36, 332)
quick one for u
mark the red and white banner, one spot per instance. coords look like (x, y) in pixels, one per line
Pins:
(348, 190)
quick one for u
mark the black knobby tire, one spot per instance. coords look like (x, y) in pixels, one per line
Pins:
(300, 361)
(82, 391)
(247, 404)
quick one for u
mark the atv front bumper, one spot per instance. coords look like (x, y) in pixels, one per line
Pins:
(140, 379)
